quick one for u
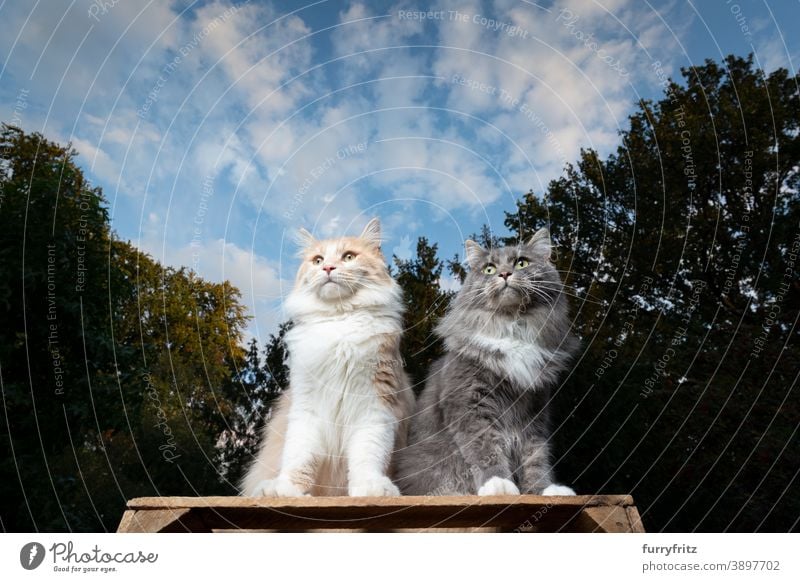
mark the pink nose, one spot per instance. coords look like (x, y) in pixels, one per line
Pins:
(505, 275)
(328, 269)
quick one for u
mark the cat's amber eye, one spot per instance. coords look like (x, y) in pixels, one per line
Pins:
(317, 260)
(522, 263)
(490, 269)
(347, 257)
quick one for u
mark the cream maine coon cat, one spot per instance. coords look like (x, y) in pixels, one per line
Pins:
(333, 432)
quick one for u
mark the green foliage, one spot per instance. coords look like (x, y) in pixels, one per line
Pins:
(115, 370)
(253, 388)
(425, 302)
(678, 250)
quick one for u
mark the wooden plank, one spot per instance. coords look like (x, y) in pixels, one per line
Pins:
(126, 524)
(612, 519)
(450, 530)
(161, 521)
(373, 519)
(154, 520)
(390, 502)
(635, 519)
(468, 513)
(297, 514)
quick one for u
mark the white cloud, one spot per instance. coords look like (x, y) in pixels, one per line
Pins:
(100, 163)
(229, 110)
(259, 50)
(219, 260)
(450, 283)
(770, 53)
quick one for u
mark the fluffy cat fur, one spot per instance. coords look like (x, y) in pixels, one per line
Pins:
(334, 430)
(481, 423)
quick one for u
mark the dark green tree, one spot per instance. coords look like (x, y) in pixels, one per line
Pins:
(253, 389)
(679, 250)
(112, 366)
(425, 302)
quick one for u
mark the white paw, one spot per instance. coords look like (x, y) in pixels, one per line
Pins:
(555, 489)
(278, 488)
(376, 487)
(498, 486)
(264, 488)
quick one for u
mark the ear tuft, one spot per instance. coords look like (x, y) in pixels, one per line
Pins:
(304, 239)
(540, 243)
(474, 253)
(372, 233)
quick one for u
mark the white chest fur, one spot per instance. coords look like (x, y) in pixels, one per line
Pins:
(523, 359)
(337, 344)
(336, 412)
(332, 362)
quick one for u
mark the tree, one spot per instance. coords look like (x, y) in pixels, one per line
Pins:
(679, 250)
(111, 365)
(425, 302)
(253, 388)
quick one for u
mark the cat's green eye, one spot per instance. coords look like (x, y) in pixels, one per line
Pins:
(317, 260)
(347, 257)
(490, 269)
(522, 263)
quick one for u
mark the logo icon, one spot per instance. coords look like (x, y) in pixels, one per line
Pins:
(31, 555)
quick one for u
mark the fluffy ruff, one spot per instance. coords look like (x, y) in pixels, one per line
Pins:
(334, 431)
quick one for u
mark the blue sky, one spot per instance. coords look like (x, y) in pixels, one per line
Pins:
(217, 128)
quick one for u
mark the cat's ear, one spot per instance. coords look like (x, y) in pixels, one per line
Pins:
(304, 239)
(474, 253)
(372, 233)
(540, 244)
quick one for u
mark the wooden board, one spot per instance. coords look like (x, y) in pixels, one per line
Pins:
(522, 513)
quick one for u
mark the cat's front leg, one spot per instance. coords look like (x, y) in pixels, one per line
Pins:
(537, 472)
(369, 447)
(302, 451)
(485, 451)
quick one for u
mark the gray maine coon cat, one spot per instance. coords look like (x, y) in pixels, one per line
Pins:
(481, 423)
